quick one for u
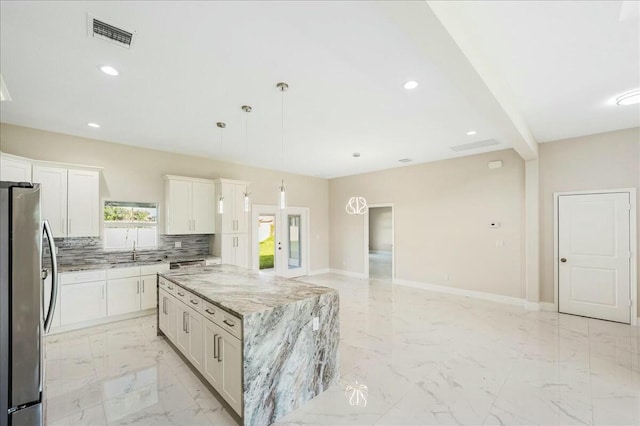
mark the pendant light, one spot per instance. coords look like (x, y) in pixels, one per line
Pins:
(247, 109)
(220, 207)
(282, 201)
(356, 205)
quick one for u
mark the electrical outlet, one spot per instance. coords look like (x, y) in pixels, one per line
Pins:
(316, 323)
(178, 244)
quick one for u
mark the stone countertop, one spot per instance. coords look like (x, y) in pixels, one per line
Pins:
(241, 291)
(97, 266)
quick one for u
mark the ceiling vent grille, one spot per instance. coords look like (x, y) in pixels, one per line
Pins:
(405, 160)
(475, 145)
(100, 29)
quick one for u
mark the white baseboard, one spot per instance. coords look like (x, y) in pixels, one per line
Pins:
(100, 321)
(463, 292)
(360, 275)
(319, 272)
(532, 306)
(548, 307)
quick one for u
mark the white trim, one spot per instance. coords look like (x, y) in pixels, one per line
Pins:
(509, 300)
(532, 306)
(100, 321)
(633, 273)
(548, 307)
(50, 163)
(393, 238)
(187, 179)
(319, 272)
(360, 275)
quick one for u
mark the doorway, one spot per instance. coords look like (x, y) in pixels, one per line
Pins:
(280, 241)
(379, 247)
(595, 269)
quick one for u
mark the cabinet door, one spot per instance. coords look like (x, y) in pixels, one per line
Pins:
(162, 310)
(83, 203)
(194, 330)
(241, 255)
(172, 319)
(231, 356)
(82, 302)
(123, 295)
(203, 208)
(211, 367)
(182, 337)
(228, 248)
(53, 197)
(179, 207)
(15, 170)
(148, 289)
(239, 214)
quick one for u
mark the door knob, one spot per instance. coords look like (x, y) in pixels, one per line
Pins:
(563, 260)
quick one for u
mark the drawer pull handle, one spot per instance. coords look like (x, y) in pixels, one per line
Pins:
(219, 349)
(230, 324)
(215, 346)
(210, 312)
(170, 288)
(195, 302)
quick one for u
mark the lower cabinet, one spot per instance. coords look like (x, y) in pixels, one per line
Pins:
(82, 302)
(148, 291)
(213, 350)
(124, 296)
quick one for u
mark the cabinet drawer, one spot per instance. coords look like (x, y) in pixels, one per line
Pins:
(194, 302)
(82, 277)
(181, 294)
(211, 312)
(123, 272)
(153, 269)
(231, 323)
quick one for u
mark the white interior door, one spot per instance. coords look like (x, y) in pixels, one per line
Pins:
(594, 256)
(292, 242)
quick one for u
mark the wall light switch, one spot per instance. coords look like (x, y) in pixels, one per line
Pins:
(316, 323)
(178, 244)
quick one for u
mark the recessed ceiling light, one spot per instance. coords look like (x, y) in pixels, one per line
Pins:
(411, 84)
(108, 70)
(94, 125)
(471, 132)
(629, 98)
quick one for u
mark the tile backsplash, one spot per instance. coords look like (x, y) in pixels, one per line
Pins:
(90, 250)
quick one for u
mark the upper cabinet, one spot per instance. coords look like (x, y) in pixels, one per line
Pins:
(70, 200)
(190, 205)
(14, 169)
(233, 218)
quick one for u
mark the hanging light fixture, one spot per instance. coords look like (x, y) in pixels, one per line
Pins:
(246, 194)
(220, 208)
(282, 201)
(356, 205)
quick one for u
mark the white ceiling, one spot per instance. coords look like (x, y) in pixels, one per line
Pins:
(196, 63)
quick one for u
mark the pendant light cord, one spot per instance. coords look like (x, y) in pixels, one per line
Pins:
(282, 128)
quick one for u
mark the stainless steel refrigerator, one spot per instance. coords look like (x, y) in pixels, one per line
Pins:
(24, 320)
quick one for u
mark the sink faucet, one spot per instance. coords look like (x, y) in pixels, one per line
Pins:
(134, 257)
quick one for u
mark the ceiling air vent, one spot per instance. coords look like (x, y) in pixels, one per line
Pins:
(475, 145)
(98, 28)
(405, 160)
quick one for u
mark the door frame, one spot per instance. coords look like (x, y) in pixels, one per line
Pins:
(256, 210)
(633, 237)
(393, 239)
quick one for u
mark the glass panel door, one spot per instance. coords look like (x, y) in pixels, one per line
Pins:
(295, 255)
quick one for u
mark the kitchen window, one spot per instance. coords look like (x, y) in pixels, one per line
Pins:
(126, 223)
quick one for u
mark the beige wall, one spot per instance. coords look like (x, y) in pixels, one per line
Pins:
(135, 174)
(380, 229)
(442, 212)
(603, 161)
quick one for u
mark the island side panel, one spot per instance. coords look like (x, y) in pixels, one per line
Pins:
(286, 363)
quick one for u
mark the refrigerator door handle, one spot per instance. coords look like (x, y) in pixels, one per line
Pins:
(54, 276)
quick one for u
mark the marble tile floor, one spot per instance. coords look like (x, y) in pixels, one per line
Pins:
(380, 265)
(408, 357)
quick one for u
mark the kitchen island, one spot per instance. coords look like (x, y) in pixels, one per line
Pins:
(267, 345)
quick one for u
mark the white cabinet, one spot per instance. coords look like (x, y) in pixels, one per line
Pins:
(83, 203)
(190, 205)
(182, 336)
(53, 197)
(82, 302)
(168, 317)
(148, 291)
(234, 249)
(230, 355)
(123, 295)
(14, 169)
(70, 200)
(195, 351)
(211, 367)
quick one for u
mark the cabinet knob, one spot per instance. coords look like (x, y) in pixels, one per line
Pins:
(563, 260)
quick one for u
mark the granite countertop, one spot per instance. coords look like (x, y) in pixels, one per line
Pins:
(241, 291)
(97, 266)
